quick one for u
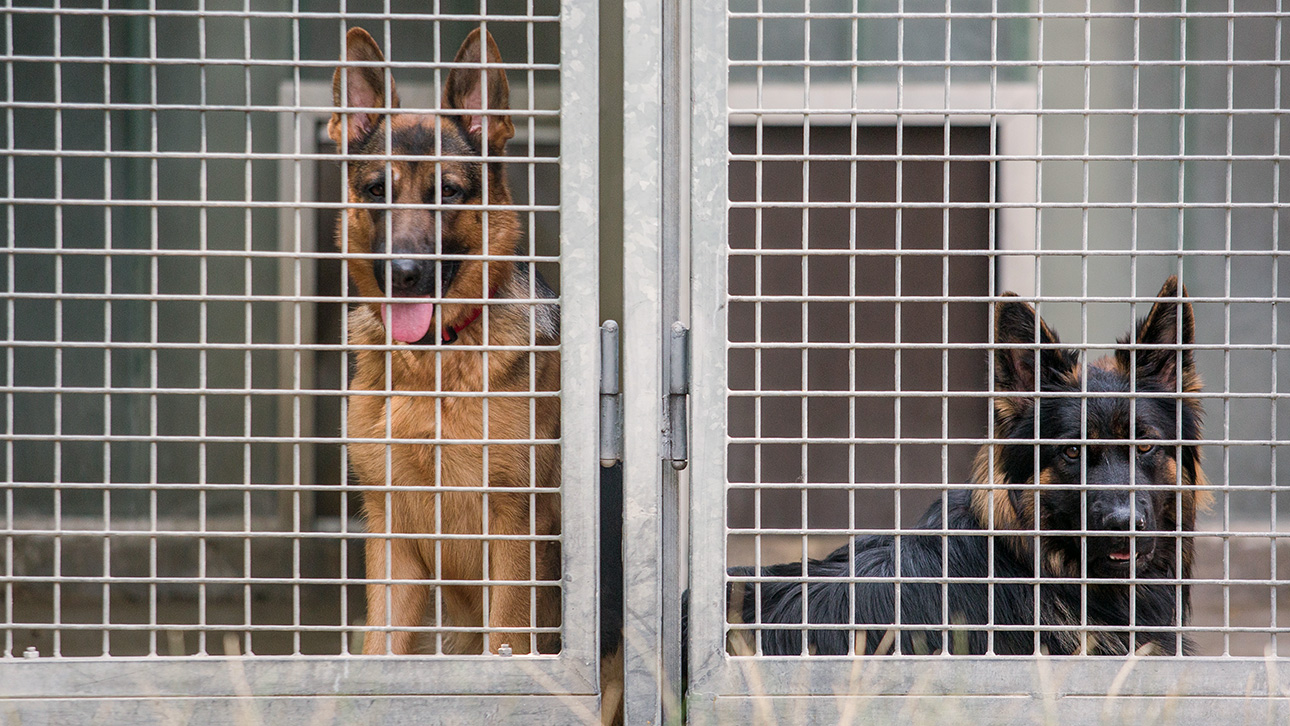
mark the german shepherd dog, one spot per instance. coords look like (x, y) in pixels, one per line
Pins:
(428, 299)
(1134, 523)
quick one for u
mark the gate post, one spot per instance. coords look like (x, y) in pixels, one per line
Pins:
(652, 254)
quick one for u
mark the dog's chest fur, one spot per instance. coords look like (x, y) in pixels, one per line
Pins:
(448, 368)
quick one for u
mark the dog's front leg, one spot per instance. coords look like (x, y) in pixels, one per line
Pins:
(510, 606)
(406, 602)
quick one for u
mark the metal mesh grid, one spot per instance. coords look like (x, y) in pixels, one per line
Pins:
(176, 366)
(894, 167)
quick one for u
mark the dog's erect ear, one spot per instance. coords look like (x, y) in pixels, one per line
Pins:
(1014, 364)
(475, 89)
(361, 87)
(1165, 326)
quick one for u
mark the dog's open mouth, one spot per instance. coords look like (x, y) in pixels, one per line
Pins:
(1120, 555)
(408, 322)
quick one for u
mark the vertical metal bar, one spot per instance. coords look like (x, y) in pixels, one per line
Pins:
(897, 329)
(1227, 332)
(296, 503)
(58, 332)
(248, 333)
(342, 385)
(154, 284)
(203, 242)
(651, 152)
(853, 245)
(106, 40)
(300, 505)
(1133, 289)
(438, 362)
(709, 202)
(1085, 150)
(1180, 217)
(485, 322)
(1276, 313)
(10, 333)
(531, 338)
(996, 269)
(946, 617)
(674, 253)
(1039, 287)
(580, 325)
(759, 414)
(804, 313)
(387, 360)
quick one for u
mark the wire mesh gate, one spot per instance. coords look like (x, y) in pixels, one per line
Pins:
(181, 531)
(869, 178)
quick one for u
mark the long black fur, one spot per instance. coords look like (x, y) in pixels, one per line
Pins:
(956, 609)
(921, 603)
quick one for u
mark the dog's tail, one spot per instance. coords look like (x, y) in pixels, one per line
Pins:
(779, 602)
(741, 600)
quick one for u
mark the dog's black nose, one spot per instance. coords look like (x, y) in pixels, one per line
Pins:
(405, 274)
(1117, 517)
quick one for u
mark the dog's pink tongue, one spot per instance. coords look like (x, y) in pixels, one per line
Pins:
(407, 322)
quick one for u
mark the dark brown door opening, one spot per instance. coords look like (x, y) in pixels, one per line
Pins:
(804, 390)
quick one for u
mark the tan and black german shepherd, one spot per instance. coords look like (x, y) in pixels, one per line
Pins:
(438, 304)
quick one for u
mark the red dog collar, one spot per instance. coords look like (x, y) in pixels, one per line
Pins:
(450, 331)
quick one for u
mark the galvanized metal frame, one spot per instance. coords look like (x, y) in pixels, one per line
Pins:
(652, 113)
(726, 688)
(519, 689)
(709, 199)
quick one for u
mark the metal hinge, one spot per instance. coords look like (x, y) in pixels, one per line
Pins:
(677, 392)
(611, 419)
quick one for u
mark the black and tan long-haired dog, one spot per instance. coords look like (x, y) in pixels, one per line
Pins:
(1138, 511)
(432, 264)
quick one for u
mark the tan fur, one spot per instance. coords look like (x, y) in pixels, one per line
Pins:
(1006, 515)
(460, 465)
(420, 368)
(611, 689)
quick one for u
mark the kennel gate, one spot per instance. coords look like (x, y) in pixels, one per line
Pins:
(979, 105)
(866, 179)
(180, 539)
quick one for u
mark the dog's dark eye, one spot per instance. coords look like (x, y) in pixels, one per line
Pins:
(450, 191)
(376, 190)
(1071, 452)
(1144, 449)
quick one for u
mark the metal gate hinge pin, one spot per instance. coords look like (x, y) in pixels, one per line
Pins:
(678, 390)
(611, 420)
